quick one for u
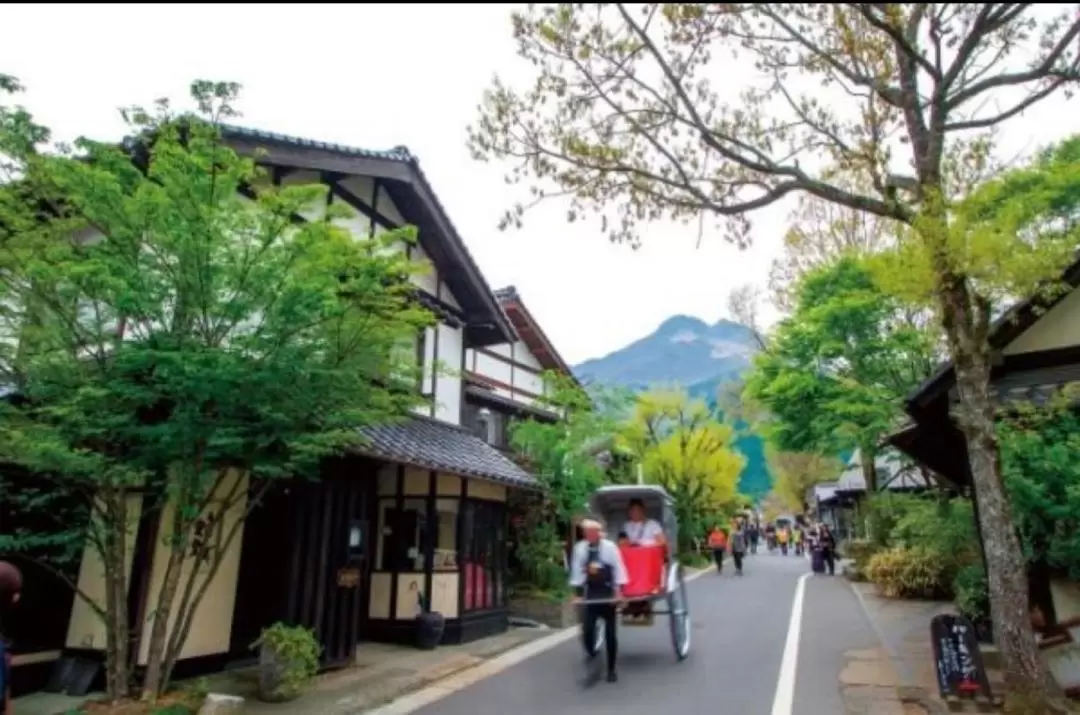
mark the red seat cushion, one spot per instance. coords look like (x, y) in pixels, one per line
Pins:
(645, 567)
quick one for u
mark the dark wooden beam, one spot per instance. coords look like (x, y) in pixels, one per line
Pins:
(278, 174)
(334, 182)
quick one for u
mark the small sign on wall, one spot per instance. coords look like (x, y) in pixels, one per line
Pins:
(348, 577)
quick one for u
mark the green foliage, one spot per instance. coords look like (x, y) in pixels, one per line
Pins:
(1042, 477)
(795, 472)
(175, 709)
(568, 458)
(165, 332)
(920, 527)
(539, 550)
(915, 572)
(683, 447)
(971, 592)
(565, 455)
(860, 552)
(837, 369)
(298, 650)
(1012, 235)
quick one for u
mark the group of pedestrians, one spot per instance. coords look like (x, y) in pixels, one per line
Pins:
(815, 540)
(737, 540)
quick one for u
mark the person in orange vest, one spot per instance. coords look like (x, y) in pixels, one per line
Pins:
(782, 536)
(718, 544)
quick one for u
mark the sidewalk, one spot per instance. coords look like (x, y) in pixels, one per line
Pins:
(381, 674)
(898, 677)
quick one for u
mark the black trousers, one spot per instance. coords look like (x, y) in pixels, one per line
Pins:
(737, 557)
(718, 556)
(607, 612)
(830, 560)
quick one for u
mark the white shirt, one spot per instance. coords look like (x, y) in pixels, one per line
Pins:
(643, 533)
(609, 555)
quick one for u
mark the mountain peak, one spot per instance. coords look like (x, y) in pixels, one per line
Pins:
(679, 323)
(686, 351)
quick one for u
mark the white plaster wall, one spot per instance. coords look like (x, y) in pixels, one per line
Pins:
(1057, 328)
(524, 356)
(493, 367)
(446, 296)
(448, 381)
(428, 279)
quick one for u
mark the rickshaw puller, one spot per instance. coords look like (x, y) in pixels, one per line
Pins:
(597, 572)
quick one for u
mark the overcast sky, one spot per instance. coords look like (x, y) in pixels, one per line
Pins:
(376, 76)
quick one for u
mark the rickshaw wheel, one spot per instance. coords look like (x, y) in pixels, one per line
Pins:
(679, 617)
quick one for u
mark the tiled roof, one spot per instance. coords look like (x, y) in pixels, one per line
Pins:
(419, 183)
(824, 492)
(892, 474)
(398, 153)
(430, 444)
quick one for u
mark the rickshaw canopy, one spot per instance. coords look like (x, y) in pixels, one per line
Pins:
(612, 503)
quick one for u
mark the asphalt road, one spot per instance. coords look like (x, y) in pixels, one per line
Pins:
(740, 628)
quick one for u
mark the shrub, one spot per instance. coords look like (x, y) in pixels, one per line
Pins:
(859, 551)
(971, 594)
(914, 572)
(294, 654)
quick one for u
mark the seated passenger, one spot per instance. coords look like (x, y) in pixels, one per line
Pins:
(640, 530)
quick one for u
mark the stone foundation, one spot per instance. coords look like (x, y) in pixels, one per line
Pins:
(555, 614)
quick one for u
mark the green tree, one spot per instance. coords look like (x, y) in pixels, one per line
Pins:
(683, 447)
(1043, 480)
(170, 337)
(570, 458)
(796, 472)
(631, 114)
(839, 367)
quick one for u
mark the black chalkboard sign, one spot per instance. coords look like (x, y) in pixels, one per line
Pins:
(960, 669)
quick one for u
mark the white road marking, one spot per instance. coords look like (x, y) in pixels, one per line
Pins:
(784, 700)
(459, 681)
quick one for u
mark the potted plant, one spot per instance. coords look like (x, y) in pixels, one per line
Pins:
(288, 660)
(429, 624)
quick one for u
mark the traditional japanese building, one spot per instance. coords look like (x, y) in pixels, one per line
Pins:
(417, 508)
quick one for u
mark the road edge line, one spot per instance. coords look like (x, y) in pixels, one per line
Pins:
(434, 692)
(784, 695)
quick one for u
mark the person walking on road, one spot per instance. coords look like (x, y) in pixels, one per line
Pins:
(755, 534)
(737, 540)
(10, 591)
(718, 544)
(827, 544)
(597, 572)
(782, 536)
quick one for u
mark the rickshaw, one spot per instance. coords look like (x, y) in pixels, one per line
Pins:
(662, 593)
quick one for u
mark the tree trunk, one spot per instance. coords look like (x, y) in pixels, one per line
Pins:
(153, 680)
(1025, 671)
(868, 462)
(114, 559)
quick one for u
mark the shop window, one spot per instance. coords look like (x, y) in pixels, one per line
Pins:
(401, 535)
(445, 536)
(483, 554)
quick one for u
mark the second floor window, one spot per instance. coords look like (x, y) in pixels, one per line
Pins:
(488, 425)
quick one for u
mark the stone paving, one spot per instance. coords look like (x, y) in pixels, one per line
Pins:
(382, 672)
(898, 677)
